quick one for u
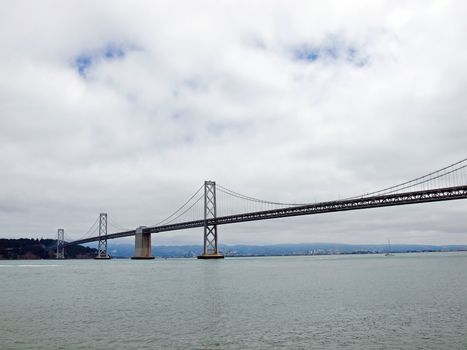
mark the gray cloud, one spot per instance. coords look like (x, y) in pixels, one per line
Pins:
(112, 107)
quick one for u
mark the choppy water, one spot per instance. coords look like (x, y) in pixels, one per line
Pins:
(409, 301)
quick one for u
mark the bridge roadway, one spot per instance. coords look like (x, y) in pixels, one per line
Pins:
(436, 195)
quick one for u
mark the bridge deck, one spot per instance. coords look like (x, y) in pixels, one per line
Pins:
(436, 195)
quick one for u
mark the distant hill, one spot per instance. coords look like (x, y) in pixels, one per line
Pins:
(127, 250)
(25, 248)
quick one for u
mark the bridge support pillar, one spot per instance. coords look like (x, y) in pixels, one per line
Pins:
(210, 250)
(102, 247)
(143, 248)
(60, 243)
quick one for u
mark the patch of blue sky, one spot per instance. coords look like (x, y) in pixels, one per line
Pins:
(82, 64)
(112, 52)
(330, 51)
(356, 57)
(309, 54)
(351, 53)
(86, 60)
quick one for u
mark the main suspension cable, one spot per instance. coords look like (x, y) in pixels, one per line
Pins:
(179, 209)
(252, 199)
(427, 180)
(117, 226)
(92, 228)
(413, 180)
(187, 209)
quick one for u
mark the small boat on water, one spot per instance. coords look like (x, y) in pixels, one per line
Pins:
(388, 253)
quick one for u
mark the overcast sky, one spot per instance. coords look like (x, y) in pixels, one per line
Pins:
(127, 107)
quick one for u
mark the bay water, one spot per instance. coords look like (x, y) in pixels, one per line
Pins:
(406, 301)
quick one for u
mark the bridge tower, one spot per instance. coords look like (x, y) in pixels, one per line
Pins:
(102, 247)
(60, 243)
(210, 250)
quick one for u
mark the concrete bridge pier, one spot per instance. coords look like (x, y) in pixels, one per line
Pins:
(143, 248)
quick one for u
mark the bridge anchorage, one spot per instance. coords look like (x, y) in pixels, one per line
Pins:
(102, 246)
(210, 250)
(143, 249)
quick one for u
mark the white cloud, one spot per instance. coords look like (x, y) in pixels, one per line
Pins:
(216, 91)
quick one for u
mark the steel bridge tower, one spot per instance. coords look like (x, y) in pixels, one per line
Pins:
(102, 247)
(60, 244)
(210, 250)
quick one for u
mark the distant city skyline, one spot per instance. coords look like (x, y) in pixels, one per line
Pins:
(123, 109)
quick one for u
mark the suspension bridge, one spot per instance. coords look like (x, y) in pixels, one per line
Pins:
(213, 205)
